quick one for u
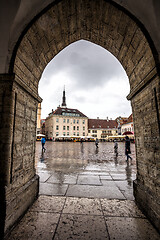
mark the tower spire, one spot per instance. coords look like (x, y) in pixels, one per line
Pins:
(64, 98)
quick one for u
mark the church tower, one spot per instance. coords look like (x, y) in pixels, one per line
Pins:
(64, 99)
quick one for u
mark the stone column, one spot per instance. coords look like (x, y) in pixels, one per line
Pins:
(6, 133)
(146, 115)
(18, 180)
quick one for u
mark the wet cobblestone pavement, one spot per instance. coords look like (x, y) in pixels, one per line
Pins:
(85, 193)
(73, 169)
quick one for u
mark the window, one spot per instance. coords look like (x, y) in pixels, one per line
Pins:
(64, 120)
(94, 131)
(57, 119)
(67, 120)
(67, 127)
(74, 127)
(57, 127)
(77, 128)
(57, 133)
(88, 131)
(83, 133)
(64, 127)
(83, 128)
(67, 133)
(74, 121)
(74, 134)
(70, 114)
(103, 136)
(77, 121)
(94, 135)
(64, 134)
(83, 121)
(77, 133)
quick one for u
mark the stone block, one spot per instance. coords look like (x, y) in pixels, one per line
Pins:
(22, 199)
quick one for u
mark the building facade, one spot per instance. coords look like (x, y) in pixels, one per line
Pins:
(66, 122)
(102, 128)
(38, 119)
(120, 121)
(128, 127)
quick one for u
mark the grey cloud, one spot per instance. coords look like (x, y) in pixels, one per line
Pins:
(85, 63)
(89, 72)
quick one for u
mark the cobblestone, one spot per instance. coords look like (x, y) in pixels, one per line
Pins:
(73, 169)
(96, 199)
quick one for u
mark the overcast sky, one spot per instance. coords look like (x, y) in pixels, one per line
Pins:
(95, 82)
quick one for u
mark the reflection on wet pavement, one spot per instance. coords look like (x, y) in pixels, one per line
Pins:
(84, 194)
(73, 169)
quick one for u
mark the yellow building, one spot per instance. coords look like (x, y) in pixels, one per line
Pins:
(102, 128)
(38, 118)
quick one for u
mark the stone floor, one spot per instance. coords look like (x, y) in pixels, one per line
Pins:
(85, 193)
(72, 169)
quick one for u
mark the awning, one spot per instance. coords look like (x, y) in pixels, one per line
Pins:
(128, 133)
(40, 135)
(117, 136)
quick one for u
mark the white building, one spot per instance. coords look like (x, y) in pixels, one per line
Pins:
(66, 122)
(128, 127)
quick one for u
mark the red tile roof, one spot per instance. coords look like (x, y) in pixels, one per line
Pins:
(130, 119)
(101, 123)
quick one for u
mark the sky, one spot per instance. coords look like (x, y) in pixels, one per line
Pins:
(95, 82)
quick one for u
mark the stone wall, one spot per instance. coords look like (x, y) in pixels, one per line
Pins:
(18, 134)
(96, 21)
(146, 105)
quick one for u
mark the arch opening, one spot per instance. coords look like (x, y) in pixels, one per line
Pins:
(89, 74)
(63, 24)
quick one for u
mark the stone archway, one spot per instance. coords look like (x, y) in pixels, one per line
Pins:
(63, 23)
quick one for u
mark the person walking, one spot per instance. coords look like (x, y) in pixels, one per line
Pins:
(115, 147)
(43, 140)
(127, 148)
(82, 141)
(96, 142)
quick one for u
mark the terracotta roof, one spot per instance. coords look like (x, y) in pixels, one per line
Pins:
(130, 119)
(101, 123)
(124, 120)
(67, 111)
